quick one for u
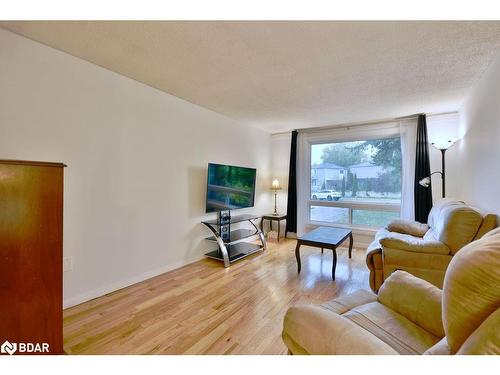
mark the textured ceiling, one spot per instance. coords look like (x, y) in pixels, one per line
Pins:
(284, 75)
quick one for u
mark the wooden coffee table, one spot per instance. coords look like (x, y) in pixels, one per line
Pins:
(325, 238)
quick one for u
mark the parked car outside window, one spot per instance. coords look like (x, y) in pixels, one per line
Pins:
(329, 195)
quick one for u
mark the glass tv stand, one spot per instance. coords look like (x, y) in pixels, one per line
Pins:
(234, 244)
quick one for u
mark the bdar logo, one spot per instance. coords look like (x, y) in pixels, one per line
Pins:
(24, 347)
(9, 348)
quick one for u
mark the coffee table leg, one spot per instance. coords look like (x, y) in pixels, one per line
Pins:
(334, 262)
(297, 255)
(321, 250)
(350, 246)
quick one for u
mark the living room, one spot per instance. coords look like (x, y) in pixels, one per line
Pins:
(254, 187)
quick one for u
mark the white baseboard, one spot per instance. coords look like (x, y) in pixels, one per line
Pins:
(106, 289)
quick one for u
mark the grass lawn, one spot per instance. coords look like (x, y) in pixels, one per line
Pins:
(338, 215)
(373, 218)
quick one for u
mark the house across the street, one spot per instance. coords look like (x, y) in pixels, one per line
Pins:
(329, 176)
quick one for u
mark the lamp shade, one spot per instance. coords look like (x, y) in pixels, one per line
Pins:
(444, 144)
(443, 130)
(275, 184)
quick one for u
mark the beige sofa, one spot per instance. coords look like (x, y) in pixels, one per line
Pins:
(426, 250)
(410, 315)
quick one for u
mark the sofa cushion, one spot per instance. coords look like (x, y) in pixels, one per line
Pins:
(414, 244)
(471, 289)
(404, 336)
(410, 227)
(345, 303)
(403, 258)
(456, 225)
(489, 223)
(415, 299)
(309, 329)
(436, 210)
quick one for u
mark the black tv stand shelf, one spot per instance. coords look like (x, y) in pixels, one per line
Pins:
(236, 236)
(239, 244)
(232, 220)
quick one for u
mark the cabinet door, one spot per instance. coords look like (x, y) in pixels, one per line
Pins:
(31, 201)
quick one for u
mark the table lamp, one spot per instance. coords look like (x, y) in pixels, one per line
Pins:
(275, 186)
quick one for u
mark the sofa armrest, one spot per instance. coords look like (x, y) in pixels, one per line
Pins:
(415, 299)
(309, 329)
(413, 228)
(375, 265)
(413, 244)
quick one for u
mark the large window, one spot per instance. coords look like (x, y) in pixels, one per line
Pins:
(356, 183)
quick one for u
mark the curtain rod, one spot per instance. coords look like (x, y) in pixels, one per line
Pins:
(373, 122)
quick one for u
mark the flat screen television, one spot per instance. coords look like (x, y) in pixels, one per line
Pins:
(229, 187)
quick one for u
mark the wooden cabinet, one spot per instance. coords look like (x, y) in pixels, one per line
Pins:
(31, 235)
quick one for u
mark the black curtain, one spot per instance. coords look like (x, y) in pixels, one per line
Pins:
(291, 207)
(423, 195)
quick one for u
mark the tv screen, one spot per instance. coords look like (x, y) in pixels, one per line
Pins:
(229, 187)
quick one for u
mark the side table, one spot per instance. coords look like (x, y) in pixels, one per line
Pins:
(271, 218)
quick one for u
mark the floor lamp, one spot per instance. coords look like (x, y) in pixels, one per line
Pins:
(443, 147)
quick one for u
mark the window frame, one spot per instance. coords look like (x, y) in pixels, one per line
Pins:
(350, 205)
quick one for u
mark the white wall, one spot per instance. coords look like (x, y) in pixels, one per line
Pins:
(137, 157)
(480, 147)
(280, 161)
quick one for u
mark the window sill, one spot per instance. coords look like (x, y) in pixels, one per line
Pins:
(355, 228)
(357, 205)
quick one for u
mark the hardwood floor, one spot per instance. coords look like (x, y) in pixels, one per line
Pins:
(204, 308)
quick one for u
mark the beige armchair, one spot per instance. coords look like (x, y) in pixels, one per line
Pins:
(410, 315)
(426, 250)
